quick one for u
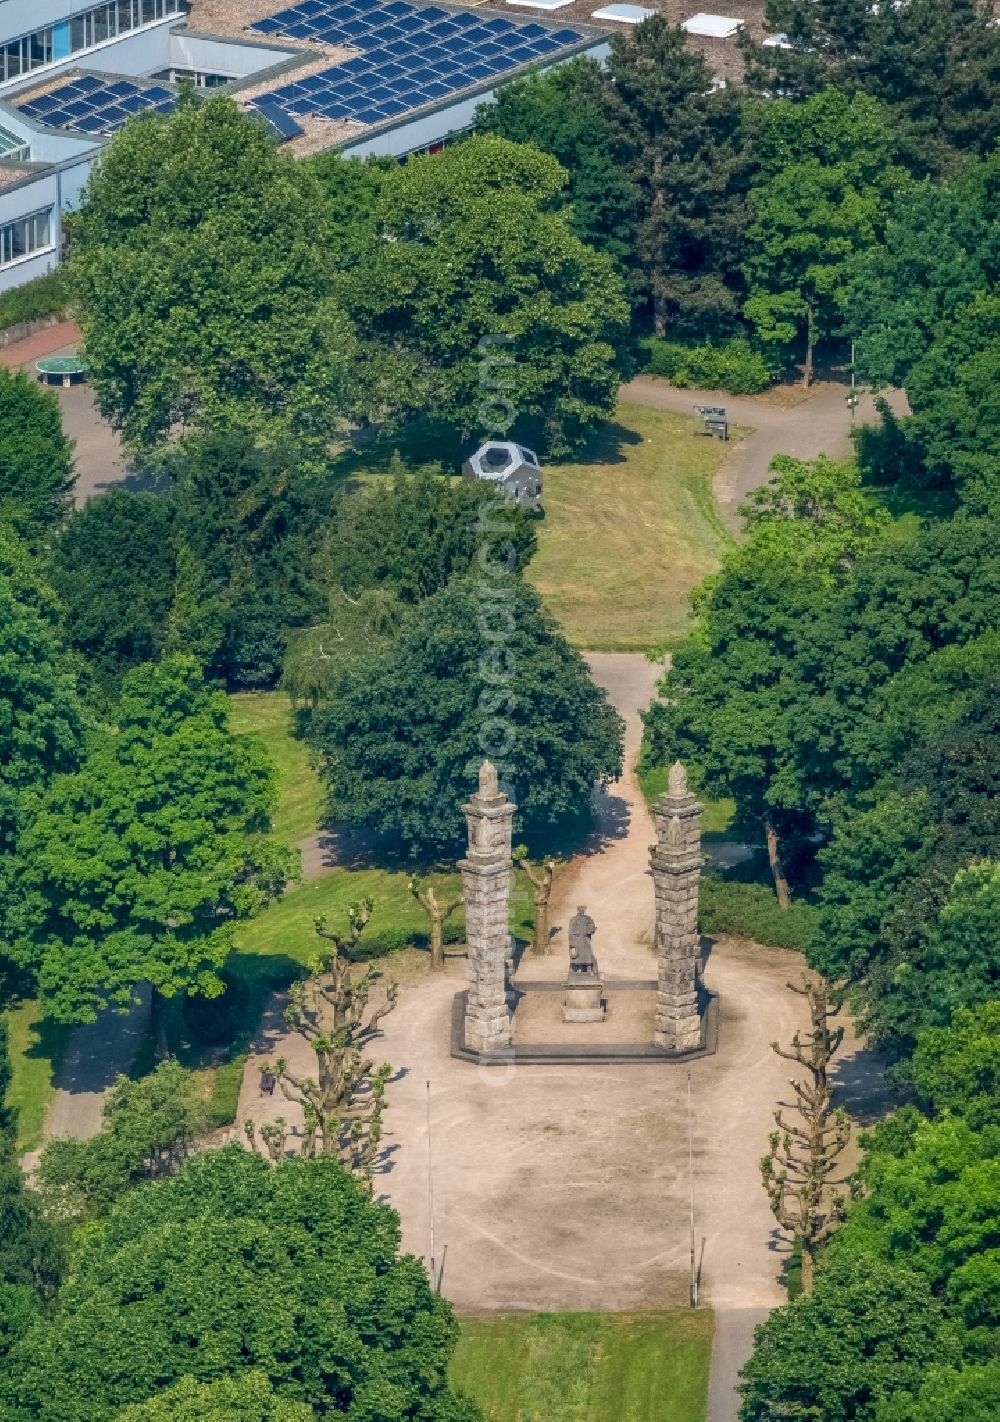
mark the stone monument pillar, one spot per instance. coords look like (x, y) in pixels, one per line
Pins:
(486, 875)
(676, 864)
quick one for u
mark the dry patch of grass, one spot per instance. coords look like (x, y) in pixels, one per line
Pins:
(629, 530)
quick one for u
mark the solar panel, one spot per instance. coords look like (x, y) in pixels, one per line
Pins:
(276, 118)
(409, 54)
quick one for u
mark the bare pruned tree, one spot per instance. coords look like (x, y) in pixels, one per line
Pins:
(540, 878)
(339, 1016)
(437, 912)
(798, 1168)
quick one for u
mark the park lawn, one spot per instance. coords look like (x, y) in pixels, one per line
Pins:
(628, 531)
(586, 1367)
(717, 820)
(300, 793)
(36, 1045)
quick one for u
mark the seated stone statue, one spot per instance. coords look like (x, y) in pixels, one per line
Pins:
(581, 953)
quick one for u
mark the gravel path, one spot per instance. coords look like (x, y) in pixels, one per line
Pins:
(820, 423)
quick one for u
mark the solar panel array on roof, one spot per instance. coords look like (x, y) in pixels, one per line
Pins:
(411, 55)
(93, 105)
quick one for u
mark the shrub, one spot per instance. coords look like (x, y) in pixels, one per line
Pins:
(47, 295)
(735, 366)
(752, 911)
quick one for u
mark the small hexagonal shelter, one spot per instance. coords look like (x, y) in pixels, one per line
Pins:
(513, 468)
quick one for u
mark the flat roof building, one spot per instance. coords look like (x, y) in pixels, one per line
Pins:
(387, 77)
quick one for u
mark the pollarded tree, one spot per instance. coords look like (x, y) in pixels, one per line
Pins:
(137, 866)
(820, 199)
(475, 671)
(438, 912)
(540, 877)
(202, 276)
(338, 1016)
(36, 458)
(472, 245)
(234, 1265)
(798, 1168)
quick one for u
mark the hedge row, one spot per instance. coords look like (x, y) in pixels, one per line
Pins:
(734, 366)
(45, 296)
(752, 911)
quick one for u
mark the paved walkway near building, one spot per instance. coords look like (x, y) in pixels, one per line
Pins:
(53, 340)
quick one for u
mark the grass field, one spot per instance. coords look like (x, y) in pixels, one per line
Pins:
(628, 531)
(300, 799)
(35, 1049)
(587, 1367)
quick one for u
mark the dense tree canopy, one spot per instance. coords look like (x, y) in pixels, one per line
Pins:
(249, 1397)
(113, 569)
(562, 112)
(680, 147)
(236, 1265)
(733, 699)
(202, 270)
(820, 197)
(416, 532)
(475, 671)
(935, 64)
(36, 458)
(135, 867)
(473, 245)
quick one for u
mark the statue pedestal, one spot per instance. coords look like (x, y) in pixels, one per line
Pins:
(584, 999)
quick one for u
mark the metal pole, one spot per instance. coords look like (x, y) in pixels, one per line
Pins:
(694, 1268)
(430, 1194)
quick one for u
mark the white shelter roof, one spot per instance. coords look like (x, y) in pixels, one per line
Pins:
(712, 26)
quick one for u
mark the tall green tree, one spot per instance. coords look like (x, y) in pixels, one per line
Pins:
(820, 197)
(148, 1129)
(956, 1068)
(941, 250)
(859, 1338)
(415, 532)
(137, 866)
(681, 149)
(113, 568)
(956, 408)
(562, 112)
(236, 1265)
(36, 458)
(478, 303)
(32, 1249)
(202, 276)
(474, 672)
(733, 699)
(42, 725)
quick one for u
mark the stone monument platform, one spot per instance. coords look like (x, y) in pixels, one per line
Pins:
(540, 1037)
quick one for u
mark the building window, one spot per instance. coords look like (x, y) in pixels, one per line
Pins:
(197, 77)
(26, 235)
(80, 32)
